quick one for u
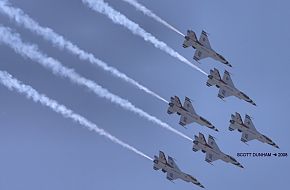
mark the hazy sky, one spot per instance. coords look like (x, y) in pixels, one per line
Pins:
(39, 149)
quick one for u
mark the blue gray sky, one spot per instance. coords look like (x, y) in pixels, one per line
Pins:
(41, 150)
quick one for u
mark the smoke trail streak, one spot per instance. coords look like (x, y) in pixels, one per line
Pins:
(59, 41)
(13, 84)
(118, 18)
(14, 41)
(149, 13)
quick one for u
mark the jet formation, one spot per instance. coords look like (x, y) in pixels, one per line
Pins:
(172, 170)
(248, 130)
(188, 115)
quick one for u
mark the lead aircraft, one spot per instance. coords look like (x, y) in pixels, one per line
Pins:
(203, 47)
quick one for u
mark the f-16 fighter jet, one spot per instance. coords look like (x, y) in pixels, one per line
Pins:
(249, 132)
(202, 46)
(226, 86)
(212, 150)
(187, 112)
(173, 172)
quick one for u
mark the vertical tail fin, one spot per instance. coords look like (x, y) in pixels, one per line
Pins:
(198, 140)
(173, 105)
(189, 39)
(235, 119)
(214, 74)
(195, 146)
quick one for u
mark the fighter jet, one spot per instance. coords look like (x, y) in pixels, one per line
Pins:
(212, 150)
(187, 112)
(202, 46)
(173, 172)
(226, 86)
(248, 130)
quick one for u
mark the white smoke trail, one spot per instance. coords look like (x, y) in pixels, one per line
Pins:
(13, 84)
(118, 18)
(149, 13)
(14, 41)
(59, 41)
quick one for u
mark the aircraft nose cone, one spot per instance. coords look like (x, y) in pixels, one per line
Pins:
(277, 146)
(216, 130)
(241, 166)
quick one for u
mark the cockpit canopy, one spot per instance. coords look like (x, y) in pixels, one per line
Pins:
(204, 120)
(221, 57)
(232, 158)
(267, 138)
(245, 95)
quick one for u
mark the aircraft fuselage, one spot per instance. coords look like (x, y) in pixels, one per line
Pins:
(194, 117)
(197, 45)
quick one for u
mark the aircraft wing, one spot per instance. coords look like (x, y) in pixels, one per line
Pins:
(227, 79)
(223, 93)
(162, 157)
(203, 39)
(248, 122)
(189, 39)
(184, 120)
(201, 138)
(209, 157)
(171, 176)
(172, 163)
(212, 143)
(188, 105)
(247, 137)
(200, 54)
